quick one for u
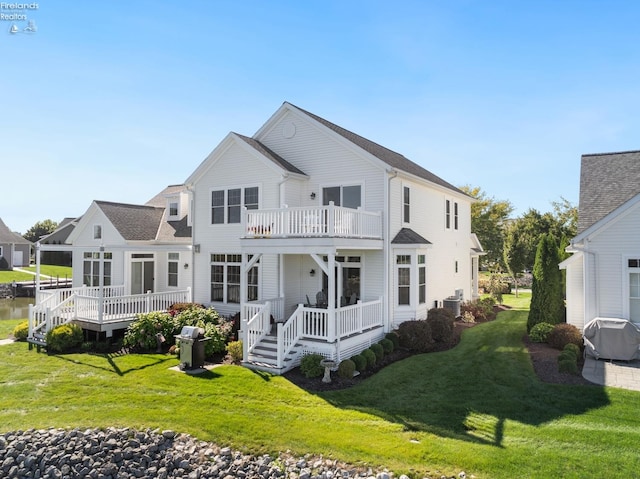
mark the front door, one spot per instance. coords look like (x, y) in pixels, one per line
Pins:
(142, 273)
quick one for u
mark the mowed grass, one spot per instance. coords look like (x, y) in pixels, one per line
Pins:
(478, 407)
(53, 271)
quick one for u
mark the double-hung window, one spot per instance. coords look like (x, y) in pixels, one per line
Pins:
(403, 268)
(406, 204)
(225, 279)
(347, 196)
(91, 269)
(226, 205)
(450, 214)
(172, 268)
(422, 280)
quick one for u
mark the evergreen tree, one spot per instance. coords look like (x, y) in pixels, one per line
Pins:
(547, 303)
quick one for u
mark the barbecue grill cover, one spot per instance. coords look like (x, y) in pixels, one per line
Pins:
(191, 332)
(611, 338)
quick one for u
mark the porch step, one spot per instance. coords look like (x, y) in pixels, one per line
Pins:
(265, 356)
(38, 340)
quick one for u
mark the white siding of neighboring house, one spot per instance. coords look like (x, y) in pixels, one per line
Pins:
(574, 291)
(612, 246)
(234, 168)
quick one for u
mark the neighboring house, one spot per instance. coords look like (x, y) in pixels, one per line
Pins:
(14, 249)
(331, 236)
(138, 252)
(59, 236)
(603, 274)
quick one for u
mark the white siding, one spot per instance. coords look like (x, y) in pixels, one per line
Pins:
(575, 296)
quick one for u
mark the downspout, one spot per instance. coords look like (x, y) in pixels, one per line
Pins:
(192, 208)
(387, 246)
(285, 177)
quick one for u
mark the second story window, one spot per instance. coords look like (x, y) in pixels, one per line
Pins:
(226, 205)
(347, 196)
(173, 208)
(406, 204)
(97, 232)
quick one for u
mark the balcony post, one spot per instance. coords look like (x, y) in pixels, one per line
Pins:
(331, 220)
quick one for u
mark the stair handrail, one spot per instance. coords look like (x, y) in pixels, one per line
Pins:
(258, 326)
(289, 333)
(50, 317)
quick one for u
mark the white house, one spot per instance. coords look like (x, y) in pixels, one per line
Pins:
(320, 239)
(331, 236)
(603, 274)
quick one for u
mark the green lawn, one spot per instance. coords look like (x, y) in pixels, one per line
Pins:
(61, 272)
(478, 407)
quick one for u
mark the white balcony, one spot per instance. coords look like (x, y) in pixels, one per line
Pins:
(313, 222)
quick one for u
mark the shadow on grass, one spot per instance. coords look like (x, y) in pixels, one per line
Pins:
(469, 392)
(112, 365)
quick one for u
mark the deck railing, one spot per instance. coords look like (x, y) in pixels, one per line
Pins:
(256, 323)
(317, 221)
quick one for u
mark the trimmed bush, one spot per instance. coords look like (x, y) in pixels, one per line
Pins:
(346, 369)
(64, 338)
(360, 362)
(234, 350)
(479, 309)
(441, 321)
(540, 332)
(310, 365)
(394, 338)
(563, 334)
(567, 354)
(378, 351)
(415, 336)
(179, 307)
(370, 356)
(573, 347)
(568, 366)
(21, 331)
(387, 345)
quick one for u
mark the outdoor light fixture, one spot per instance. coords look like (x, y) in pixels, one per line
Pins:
(186, 266)
(313, 196)
(312, 272)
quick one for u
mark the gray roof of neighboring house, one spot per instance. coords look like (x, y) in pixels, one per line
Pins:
(270, 154)
(7, 236)
(393, 159)
(607, 181)
(160, 200)
(62, 232)
(408, 236)
(133, 222)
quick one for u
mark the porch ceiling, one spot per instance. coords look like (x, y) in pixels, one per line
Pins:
(297, 245)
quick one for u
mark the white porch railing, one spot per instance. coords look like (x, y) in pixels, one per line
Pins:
(277, 308)
(256, 323)
(321, 324)
(315, 221)
(84, 304)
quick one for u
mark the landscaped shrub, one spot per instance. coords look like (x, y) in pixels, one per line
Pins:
(575, 348)
(563, 334)
(387, 345)
(394, 338)
(480, 309)
(415, 336)
(360, 361)
(468, 317)
(179, 307)
(370, 356)
(346, 369)
(64, 338)
(21, 331)
(540, 332)
(441, 322)
(215, 327)
(310, 365)
(378, 351)
(567, 354)
(568, 366)
(142, 332)
(234, 350)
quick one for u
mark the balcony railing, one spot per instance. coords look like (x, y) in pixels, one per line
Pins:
(317, 221)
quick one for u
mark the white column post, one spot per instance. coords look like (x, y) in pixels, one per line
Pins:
(101, 284)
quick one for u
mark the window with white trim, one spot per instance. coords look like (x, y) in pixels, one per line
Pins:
(634, 290)
(347, 196)
(422, 279)
(403, 270)
(97, 232)
(406, 204)
(447, 214)
(225, 278)
(226, 205)
(455, 215)
(173, 209)
(172, 268)
(91, 269)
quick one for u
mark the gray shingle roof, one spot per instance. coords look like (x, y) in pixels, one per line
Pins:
(7, 236)
(390, 157)
(133, 222)
(607, 181)
(408, 236)
(277, 159)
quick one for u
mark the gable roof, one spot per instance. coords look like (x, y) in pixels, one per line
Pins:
(7, 236)
(390, 157)
(607, 181)
(133, 222)
(160, 200)
(277, 159)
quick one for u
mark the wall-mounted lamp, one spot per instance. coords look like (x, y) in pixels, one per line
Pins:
(312, 196)
(312, 273)
(186, 266)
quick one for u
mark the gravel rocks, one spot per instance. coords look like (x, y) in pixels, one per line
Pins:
(130, 454)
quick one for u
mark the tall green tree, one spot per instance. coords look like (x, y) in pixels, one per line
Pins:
(513, 251)
(488, 217)
(547, 298)
(40, 229)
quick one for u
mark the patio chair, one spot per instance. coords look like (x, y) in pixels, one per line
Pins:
(321, 300)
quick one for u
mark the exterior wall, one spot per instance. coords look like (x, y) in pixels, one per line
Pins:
(7, 253)
(449, 246)
(608, 280)
(234, 168)
(574, 292)
(327, 162)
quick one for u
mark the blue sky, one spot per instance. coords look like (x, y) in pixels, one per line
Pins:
(115, 100)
